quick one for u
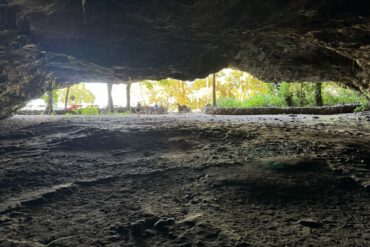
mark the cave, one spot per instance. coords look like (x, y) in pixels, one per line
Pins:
(182, 180)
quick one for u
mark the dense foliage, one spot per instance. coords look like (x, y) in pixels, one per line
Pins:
(77, 94)
(234, 89)
(91, 110)
(240, 89)
(298, 94)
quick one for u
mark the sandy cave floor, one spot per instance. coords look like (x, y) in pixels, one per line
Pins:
(185, 180)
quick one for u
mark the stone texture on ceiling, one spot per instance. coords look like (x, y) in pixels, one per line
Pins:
(50, 43)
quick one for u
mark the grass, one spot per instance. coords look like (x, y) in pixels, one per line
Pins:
(87, 111)
(255, 101)
(94, 111)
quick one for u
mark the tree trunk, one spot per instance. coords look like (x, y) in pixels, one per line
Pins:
(128, 96)
(207, 86)
(110, 107)
(301, 95)
(214, 90)
(49, 105)
(229, 89)
(66, 99)
(182, 96)
(318, 94)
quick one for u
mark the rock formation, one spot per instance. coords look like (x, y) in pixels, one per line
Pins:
(48, 44)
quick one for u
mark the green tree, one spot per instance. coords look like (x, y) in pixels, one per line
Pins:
(285, 92)
(167, 92)
(239, 89)
(78, 94)
(55, 97)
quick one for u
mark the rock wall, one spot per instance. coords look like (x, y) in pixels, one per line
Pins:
(281, 110)
(59, 42)
(27, 71)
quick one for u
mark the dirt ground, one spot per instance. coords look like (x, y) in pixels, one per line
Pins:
(185, 180)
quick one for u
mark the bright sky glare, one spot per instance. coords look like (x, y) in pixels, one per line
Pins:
(118, 94)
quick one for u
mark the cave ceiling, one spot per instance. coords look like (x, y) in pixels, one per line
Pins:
(50, 43)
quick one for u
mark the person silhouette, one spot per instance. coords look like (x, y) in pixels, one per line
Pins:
(138, 109)
(156, 108)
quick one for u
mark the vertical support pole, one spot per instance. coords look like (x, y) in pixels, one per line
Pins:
(66, 99)
(214, 90)
(49, 107)
(110, 107)
(301, 95)
(207, 86)
(128, 95)
(318, 94)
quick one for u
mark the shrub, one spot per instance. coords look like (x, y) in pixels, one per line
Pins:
(88, 111)
(298, 94)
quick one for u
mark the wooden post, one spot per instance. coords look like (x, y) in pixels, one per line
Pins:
(110, 107)
(214, 90)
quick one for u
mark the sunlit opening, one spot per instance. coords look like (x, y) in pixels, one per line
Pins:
(233, 89)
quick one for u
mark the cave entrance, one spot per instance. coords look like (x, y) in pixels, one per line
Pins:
(231, 89)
